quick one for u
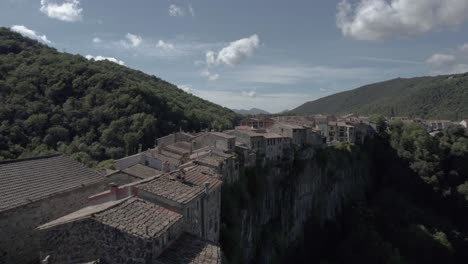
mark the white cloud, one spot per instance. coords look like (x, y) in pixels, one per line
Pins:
(186, 88)
(165, 45)
(68, 10)
(176, 11)
(30, 33)
(450, 63)
(441, 59)
(235, 52)
(210, 76)
(97, 40)
(464, 48)
(380, 19)
(323, 90)
(249, 93)
(134, 40)
(100, 58)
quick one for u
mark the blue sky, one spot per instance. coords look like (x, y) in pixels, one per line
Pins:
(270, 54)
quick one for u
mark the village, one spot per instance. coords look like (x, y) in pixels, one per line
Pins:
(161, 205)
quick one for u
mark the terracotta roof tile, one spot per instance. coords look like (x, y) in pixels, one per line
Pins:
(172, 187)
(28, 180)
(132, 215)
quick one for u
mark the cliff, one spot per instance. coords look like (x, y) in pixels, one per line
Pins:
(264, 215)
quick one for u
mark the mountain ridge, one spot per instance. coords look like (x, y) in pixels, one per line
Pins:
(443, 96)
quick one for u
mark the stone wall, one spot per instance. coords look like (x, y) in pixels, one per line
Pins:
(212, 215)
(87, 240)
(18, 240)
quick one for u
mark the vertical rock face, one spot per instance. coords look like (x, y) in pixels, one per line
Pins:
(265, 213)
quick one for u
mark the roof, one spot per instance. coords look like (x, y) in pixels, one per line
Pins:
(172, 187)
(289, 125)
(190, 249)
(141, 171)
(132, 215)
(272, 135)
(199, 175)
(25, 181)
(223, 135)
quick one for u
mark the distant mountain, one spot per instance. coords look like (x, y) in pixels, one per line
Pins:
(252, 111)
(93, 110)
(444, 96)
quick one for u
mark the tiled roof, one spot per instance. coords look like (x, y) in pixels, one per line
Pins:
(172, 187)
(223, 135)
(132, 215)
(142, 171)
(210, 160)
(27, 180)
(188, 249)
(199, 175)
(272, 135)
(290, 125)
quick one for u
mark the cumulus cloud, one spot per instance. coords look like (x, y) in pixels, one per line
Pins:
(210, 76)
(441, 59)
(97, 40)
(235, 52)
(68, 10)
(134, 40)
(100, 58)
(380, 19)
(30, 33)
(165, 45)
(176, 11)
(449, 63)
(186, 88)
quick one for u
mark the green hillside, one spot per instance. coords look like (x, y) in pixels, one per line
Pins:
(427, 97)
(91, 110)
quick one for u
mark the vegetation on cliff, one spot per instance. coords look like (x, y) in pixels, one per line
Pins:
(440, 97)
(416, 210)
(92, 110)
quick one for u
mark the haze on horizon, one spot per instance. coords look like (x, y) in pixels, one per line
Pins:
(272, 55)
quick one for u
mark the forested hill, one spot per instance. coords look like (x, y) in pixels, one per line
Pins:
(427, 97)
(91, 110)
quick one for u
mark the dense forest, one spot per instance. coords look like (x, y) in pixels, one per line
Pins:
(440, 97)
(91, 110)
(416, 210)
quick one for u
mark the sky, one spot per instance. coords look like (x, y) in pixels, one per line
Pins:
(269, 54)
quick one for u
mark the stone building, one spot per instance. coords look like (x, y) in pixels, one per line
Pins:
(224, 164)
(253, 140)
(297, 133)
(340, 132)
(130, 230)
(36, 190)
(276, 146)
(217, 140)
(257, 122)
(192, 191)
(188, 249)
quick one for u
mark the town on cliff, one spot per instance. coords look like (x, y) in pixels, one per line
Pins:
(161, 205)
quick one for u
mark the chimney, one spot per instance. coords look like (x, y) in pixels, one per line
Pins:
(165, 166)
(207, 185)
(114, 188)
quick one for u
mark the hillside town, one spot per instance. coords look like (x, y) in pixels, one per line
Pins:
(161, 205)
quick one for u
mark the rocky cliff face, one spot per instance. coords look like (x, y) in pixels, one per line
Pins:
(265, 213)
